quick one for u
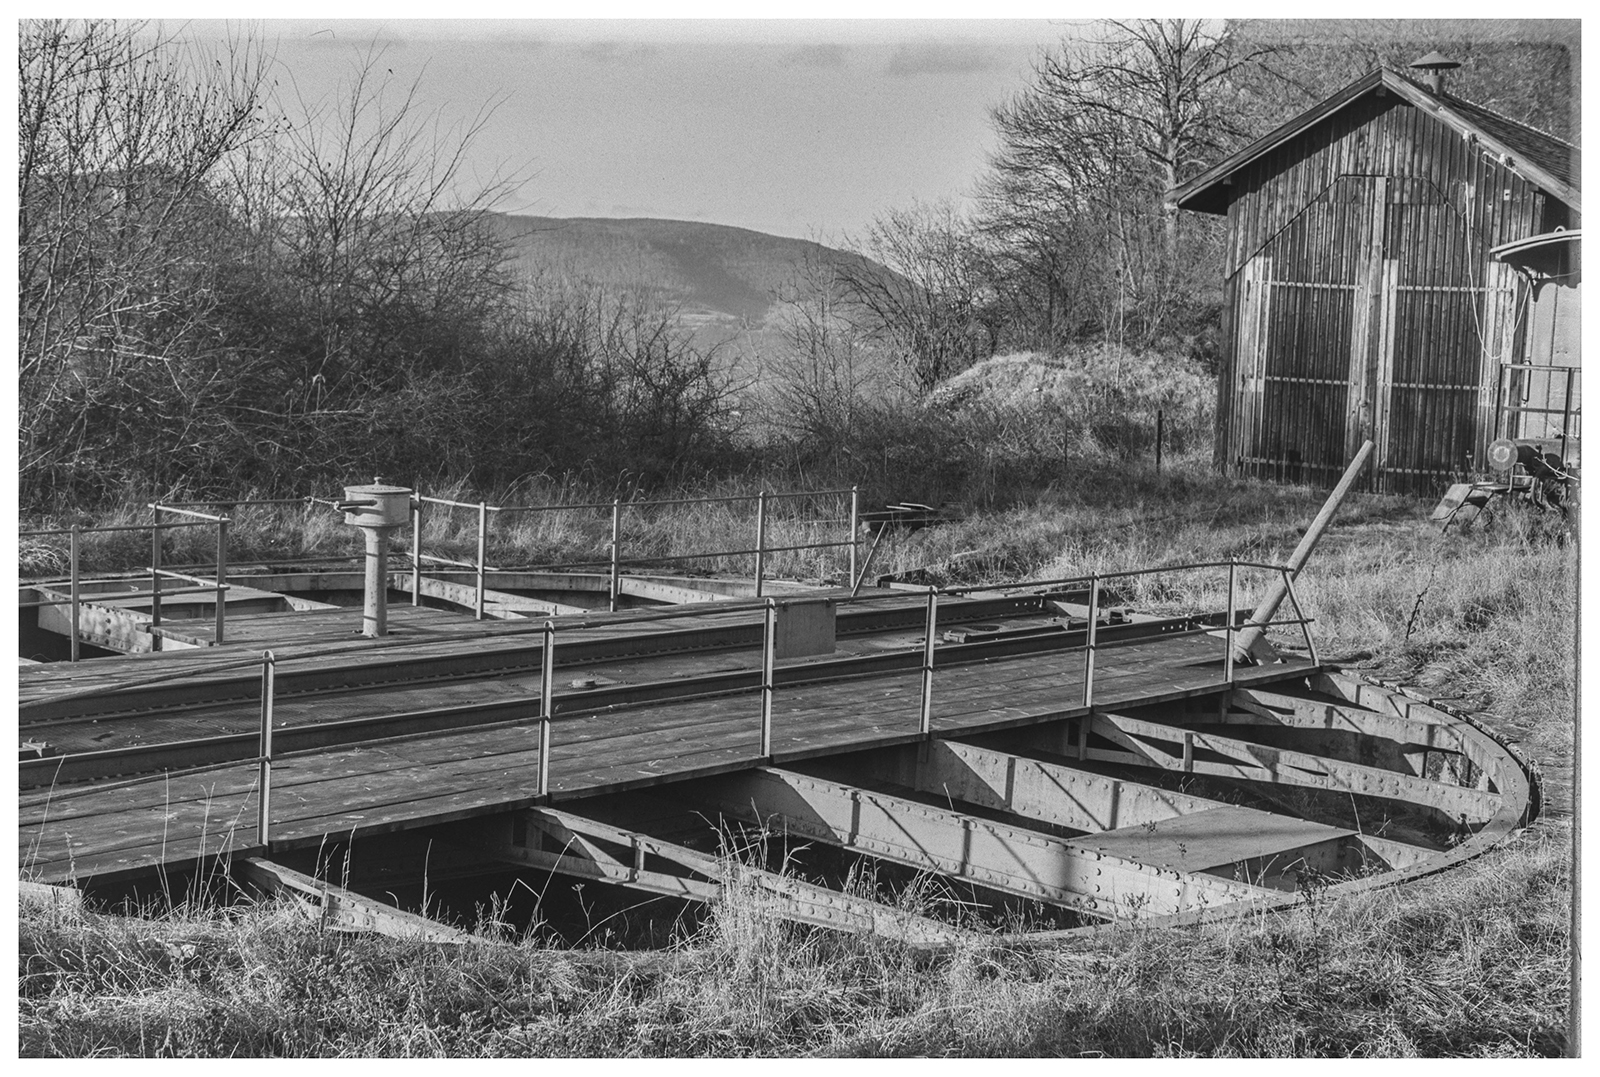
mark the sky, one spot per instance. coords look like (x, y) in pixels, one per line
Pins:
(799, 128)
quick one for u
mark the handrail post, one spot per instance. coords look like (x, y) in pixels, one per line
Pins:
(1227, 659)
(616, 551)
(761, 538)
(483, 550)
(1089, 641)
(1305, 625)
(547, 693)
(155, 577)
(73, 557)
(926, 724)
(264, 803)
(769, 646)
(222, 578)
(416, 550)
(855, 529)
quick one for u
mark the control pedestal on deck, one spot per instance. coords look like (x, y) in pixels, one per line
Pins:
(378, 510)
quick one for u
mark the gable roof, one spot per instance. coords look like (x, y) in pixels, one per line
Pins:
(1540, 158)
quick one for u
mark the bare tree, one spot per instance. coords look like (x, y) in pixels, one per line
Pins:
(120, 132)
(932, 306)
(1113, 121)
(825, 372)
(373, 225)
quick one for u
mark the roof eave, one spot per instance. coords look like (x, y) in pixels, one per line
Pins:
(1206, 193)
(1510, 158)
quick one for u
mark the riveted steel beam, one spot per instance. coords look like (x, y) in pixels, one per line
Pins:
(1257, 762)
(1003, 857)
(1301, 713)
(337, 907)
(1143, 823)
(590, 849)
(1480, 750)
(1031, 788)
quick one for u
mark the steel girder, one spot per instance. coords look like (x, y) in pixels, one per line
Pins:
(1137, 738)
(339, 908)
(1033, 789)
(594, 850)
(1150, 824)
(1298, 713)
(1001, 856)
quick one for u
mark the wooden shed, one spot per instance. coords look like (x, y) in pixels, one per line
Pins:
(1362, 295)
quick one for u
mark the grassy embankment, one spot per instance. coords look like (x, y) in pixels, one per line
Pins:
(1473, 962)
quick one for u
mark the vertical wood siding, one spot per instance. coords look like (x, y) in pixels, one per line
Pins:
(1362, 301)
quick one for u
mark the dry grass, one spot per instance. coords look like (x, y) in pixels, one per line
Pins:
(1474, 963)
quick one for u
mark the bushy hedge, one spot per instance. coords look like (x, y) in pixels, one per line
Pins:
(1013, 424)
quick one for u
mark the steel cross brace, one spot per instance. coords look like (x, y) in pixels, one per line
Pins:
(1257, 762)
(1298, 713)
(1000, 856)
(341, 908)
(585, 854)
(1065, 796)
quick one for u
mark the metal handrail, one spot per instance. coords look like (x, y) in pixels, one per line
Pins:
(75, 533)
(89, 600)
(546, 714)
(157, 506)
(306, 499)
(615, 562)
(766, 684)
(113, 527)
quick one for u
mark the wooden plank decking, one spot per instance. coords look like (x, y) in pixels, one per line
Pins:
(84, 832)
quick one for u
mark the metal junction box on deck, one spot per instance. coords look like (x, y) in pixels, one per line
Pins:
(805, 627)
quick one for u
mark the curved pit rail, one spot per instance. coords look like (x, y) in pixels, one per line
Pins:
(1515, 780)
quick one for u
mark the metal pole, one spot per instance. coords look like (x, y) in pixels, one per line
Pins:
(761, 538)
(769, 646)
(1566, 419)
(74, 559)
(264, 804)
(547, 692)
(1305, 625)
(927, 661)
(483, 550)
(855, 530)
(855, 585)
(222, 577)
(1263, 613)
(616, 551)
(1227, 658)
(155, 578)
(375, 584)
(1088, 654)
(416, 551)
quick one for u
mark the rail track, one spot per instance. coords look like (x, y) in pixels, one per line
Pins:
(89, 736)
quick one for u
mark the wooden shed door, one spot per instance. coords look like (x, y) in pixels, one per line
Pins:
(1294, 318)
(1361, 319)
(1427, 350)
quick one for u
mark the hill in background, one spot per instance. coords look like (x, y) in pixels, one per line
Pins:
(724, 282)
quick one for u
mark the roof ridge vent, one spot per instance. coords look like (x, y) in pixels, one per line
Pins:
(1435, 64)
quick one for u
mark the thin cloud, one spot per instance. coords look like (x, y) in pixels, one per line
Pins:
(332, 39)
(612, 52)
(932, 58)
(816, 56)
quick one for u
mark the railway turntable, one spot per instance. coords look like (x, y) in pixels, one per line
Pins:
(1040, 744)
(1047, 746)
